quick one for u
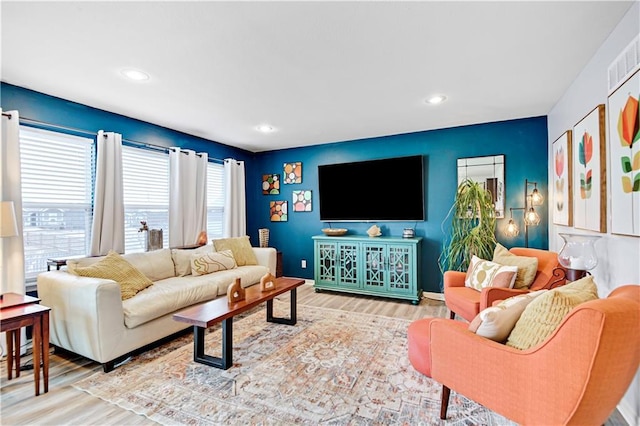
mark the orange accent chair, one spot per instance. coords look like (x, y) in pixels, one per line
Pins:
(576, 376)
(468, 302)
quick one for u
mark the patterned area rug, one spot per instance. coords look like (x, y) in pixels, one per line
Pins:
(333, 367)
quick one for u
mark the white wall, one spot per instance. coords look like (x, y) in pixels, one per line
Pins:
(618, 256)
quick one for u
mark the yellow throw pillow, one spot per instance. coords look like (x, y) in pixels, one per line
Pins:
(527, 266)
(482, 273)
(241, 248)
(545, 313)
(202, 264)
(114, 267)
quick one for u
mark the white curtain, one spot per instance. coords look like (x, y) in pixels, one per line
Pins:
(11, 248)
(187, 196)
(235, 211)
(107, 231)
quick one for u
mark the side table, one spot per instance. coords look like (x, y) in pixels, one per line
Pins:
(17, 311)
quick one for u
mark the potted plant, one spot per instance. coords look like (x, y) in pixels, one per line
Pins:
(472, 232)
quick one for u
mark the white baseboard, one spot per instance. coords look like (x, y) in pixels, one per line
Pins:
(434, 296)
(628, 413)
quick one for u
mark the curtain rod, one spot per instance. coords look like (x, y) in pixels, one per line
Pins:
(86, 132)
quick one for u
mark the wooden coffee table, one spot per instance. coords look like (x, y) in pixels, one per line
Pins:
(220, 310)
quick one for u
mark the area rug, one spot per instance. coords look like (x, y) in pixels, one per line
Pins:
(332, 368)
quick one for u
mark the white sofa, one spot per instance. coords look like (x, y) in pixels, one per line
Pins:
(89, 318)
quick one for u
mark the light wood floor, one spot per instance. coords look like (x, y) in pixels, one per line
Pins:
(65, 405)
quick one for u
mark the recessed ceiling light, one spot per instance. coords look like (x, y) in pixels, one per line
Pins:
(265, 128)
(436, 99)
(136, 75)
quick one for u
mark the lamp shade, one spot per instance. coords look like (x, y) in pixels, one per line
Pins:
(8, 225)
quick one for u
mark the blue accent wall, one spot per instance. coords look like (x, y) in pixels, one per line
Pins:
(523, 142)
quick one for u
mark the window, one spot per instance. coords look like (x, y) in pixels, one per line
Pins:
(215, 199)
(145, 176)
(57, 182)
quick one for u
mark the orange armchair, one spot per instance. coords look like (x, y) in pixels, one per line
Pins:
(468, 302)
(576, 376)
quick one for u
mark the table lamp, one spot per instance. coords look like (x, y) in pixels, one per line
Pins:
(8, 225)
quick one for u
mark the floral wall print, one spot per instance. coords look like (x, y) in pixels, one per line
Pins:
(271, 184)
(292, 172)
(302, 201)
(589, 172)
(624, 148)
(562, 190)
(278, 211)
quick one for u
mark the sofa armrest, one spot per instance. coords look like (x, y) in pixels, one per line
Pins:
(454, 279)
(86, 313)
(490, 295)
(266, 256)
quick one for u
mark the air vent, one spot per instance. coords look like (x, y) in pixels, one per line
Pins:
(624, 65)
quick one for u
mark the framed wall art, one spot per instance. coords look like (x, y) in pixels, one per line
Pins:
(292, 172)
(271, 184)
(624, 152)
(278, 211)
(562, 203)
(589, 172)
(302, 200)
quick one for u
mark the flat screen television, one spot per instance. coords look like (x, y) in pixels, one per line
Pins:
(390, 189)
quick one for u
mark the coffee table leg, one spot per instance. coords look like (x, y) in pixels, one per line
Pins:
(225, 361)
(288, 321)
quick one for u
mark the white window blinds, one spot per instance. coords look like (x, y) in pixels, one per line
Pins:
(146, 195)
(57, 183)
(215, 199)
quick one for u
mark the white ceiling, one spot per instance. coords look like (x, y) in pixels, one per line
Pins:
(318, 72)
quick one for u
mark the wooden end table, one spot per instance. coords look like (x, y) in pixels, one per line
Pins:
(17, 311)
(220, 310)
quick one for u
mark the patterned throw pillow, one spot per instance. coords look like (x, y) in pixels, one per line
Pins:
(207, 263)
(241, 248)
(114, 267)
(483, 273)
(545, 313)
(496, 322)
(182, 258)
(527, 266)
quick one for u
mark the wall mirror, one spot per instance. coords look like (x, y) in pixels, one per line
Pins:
(489, 172)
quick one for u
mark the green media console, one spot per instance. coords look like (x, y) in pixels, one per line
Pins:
(377, 266)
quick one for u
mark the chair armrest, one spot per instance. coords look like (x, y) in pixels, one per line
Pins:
(266, 256)
(490, 295)
(454, 279)
(86, 313)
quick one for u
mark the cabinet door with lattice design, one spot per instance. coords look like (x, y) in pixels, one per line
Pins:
(400, 268)
(348, 270)
(326, 262)
(375, 267)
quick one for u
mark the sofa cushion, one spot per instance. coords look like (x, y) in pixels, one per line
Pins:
(497, 322)
(155, 264)
(483, 273)
(545, 313)
(207, 263)
(182, 258)
(171, 294)
(527, 266)
(115, 267)
(241, 248)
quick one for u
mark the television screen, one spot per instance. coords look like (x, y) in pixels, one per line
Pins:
(390, 189)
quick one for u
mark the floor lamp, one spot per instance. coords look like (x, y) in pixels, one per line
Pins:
(8, 225)
(531, 217)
